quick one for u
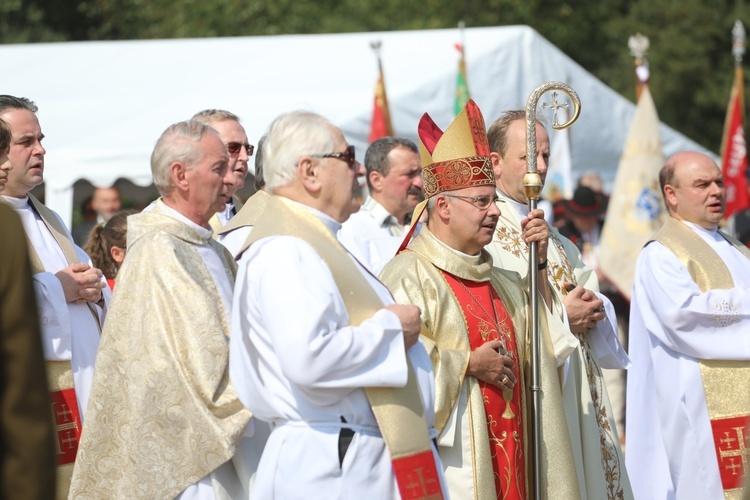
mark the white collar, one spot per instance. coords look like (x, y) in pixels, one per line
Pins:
(332, 224)
(471, 260)
(378, 212)
(171, 212)
(17, 203)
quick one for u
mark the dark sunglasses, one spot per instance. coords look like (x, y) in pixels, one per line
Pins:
(234, 148)
(348, 156)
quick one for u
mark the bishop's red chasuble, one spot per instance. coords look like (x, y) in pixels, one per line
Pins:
(487, 319)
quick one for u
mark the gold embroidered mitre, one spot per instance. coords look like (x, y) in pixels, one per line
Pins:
(458, 158)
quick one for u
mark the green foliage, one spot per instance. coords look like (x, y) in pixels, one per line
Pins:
(690, 55)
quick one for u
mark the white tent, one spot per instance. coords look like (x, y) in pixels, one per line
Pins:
(104, 104)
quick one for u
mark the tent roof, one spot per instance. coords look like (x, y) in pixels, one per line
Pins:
(104, 104)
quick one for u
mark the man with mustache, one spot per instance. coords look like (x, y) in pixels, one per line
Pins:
(164, 420)
(70, 292)
(475, 325)
(395, 184)
(688, 394)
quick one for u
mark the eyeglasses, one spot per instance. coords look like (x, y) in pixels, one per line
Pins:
(481, 202)
(234, 148)
(347, 156)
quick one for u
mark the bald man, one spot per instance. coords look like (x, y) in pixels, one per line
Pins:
(688, 398)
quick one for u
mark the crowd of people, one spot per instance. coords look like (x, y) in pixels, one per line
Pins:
(305, 344)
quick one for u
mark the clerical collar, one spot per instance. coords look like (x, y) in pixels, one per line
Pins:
(332, 224)
(522, 209)
(171, 212)
(471, 260)
(17, 203)
(709, 233)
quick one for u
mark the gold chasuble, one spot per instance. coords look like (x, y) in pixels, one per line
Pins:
(398, 410)
(726, 383)
(65, 414)
(162, 413)
(483, 429)
(249, 214)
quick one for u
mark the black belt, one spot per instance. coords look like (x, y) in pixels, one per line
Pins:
(345, 439)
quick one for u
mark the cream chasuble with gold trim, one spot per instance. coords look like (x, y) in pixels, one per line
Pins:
(596, 446)
(163, 413)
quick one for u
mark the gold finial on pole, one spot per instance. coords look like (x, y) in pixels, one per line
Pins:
(532, 188)
(638, 45)
(738, 42)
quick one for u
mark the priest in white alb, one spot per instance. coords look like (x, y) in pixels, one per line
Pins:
(164, 420)
(688, 394)
(71, 294)
(319, 349)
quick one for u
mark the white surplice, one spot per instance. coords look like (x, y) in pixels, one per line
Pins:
(296, 364)
(59, 318)
(596, 445)
(223, 482)
(670, 448)
(372, 235)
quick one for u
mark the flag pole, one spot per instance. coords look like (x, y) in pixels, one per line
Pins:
(638, 45)
(738, 51)
(733, 144)
(381, 111)
(532, 187)
(462, 80)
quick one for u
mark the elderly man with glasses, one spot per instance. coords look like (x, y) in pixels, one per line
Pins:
(318, 346)
(475, 324)
(233, 135)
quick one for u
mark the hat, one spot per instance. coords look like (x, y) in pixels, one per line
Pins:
(458, 158)
(585, 203)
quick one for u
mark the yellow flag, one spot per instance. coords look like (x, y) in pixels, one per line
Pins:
(636, 208)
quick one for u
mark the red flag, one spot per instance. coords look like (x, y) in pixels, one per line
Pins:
(381, 116)
(734, 150)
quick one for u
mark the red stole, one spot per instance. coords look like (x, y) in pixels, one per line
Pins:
(504, 416)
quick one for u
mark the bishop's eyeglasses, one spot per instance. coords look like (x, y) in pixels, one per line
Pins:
(481, 202)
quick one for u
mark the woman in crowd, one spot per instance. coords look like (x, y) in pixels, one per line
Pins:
(107, 244)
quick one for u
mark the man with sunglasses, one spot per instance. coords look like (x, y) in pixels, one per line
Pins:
(233, 135)
(318, 346)
(590, 342)
(394, 181)
(475, 325)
